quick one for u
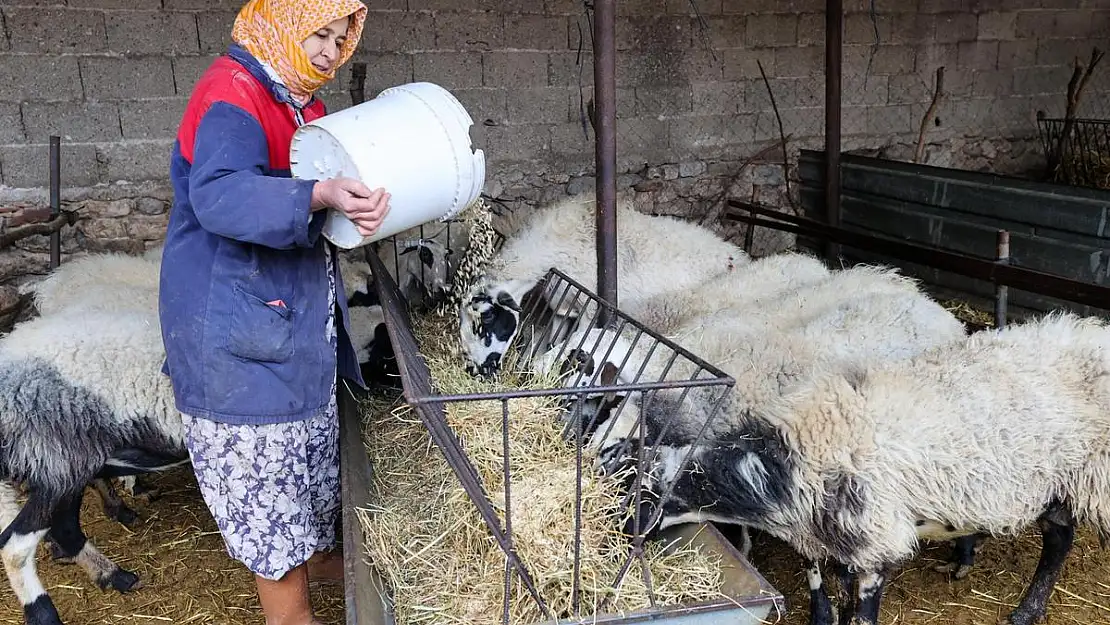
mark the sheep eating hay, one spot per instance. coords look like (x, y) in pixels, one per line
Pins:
(563, 235)
(859, 466)
(426, 534)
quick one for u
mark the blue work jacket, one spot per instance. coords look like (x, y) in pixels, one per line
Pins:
(243, 286)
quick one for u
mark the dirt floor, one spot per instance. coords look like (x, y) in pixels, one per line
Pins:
(918, 594)
(177, 552)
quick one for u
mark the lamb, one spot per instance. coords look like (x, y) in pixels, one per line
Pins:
(655, 255)
(422, 260)
(82, 396)
(858, 466)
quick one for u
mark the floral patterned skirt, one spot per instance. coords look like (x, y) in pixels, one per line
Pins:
(272, 489)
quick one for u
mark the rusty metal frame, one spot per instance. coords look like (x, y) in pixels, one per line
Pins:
(998, 271)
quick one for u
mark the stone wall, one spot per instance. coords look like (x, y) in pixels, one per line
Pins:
(112, 77)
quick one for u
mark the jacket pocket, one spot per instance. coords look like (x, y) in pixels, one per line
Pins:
(260, 330)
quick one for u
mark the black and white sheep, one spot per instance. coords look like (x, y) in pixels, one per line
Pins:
(655, 255)
(856, 317)
(103, 282)
(369, 334)
(82, 396)
(860, 466)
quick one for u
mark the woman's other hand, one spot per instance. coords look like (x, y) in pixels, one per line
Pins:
(362, 206)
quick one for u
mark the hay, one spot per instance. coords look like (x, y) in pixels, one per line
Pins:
(1088, 169)
(428, 540)
(969, 315)
(176, 550)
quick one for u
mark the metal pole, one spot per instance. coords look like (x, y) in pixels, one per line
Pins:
(834, 37)
(1001, 291)
(605, 154)
(55, 199)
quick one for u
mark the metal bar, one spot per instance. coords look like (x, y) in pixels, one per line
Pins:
(362, 585)
(834, 37)
(358, 83)
(1001, 291)
(1029, 280)
(507, 477)
(605, 97)
(55, 199)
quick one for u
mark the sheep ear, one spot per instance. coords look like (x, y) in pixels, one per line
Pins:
(426, 256)
(577, 360)
(608, 373)
(608, 377)
(506, 299)
(855, 377)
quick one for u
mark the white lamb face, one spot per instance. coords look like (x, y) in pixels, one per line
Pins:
(487, 324)
(427, 263)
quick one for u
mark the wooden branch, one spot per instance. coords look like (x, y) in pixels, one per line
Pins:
(1080, 76)
(782, 137)
(8, 238)
(732, 180)
(930, 114)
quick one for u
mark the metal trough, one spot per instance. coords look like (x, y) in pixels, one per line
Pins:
(753, 599)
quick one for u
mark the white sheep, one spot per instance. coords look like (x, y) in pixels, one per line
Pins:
(860, 466)
(82, 396)
(109, 281)
(759, 280)
(854, 317)
(655, 255)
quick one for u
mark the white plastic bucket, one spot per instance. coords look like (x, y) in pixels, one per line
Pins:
(413, 140)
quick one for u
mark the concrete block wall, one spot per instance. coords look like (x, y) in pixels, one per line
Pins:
(112, 77)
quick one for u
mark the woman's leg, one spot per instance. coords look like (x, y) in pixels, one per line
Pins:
(257, 483)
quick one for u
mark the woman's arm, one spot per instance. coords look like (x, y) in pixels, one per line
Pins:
(232, 197)
(230, 194)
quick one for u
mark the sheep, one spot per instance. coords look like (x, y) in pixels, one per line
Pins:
(857, 465)
(861, 315)
(655, 255)
(761, 279)
(422, 260)
(82, 396)
(109, 281)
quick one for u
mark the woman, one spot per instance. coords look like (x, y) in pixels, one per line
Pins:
(248, 297)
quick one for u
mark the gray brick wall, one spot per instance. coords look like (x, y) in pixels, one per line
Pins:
(112, 76)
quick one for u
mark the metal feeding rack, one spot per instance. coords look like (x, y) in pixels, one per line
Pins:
(1077, 150)
(746, 596)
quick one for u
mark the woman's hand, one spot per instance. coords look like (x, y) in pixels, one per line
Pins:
(362, 206)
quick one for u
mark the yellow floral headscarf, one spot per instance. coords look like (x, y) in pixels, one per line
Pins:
(273, 30)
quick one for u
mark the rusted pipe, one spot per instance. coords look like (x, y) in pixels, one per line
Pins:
(605, 150)
(1001, 291)
(55, 199)
(834, 37)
